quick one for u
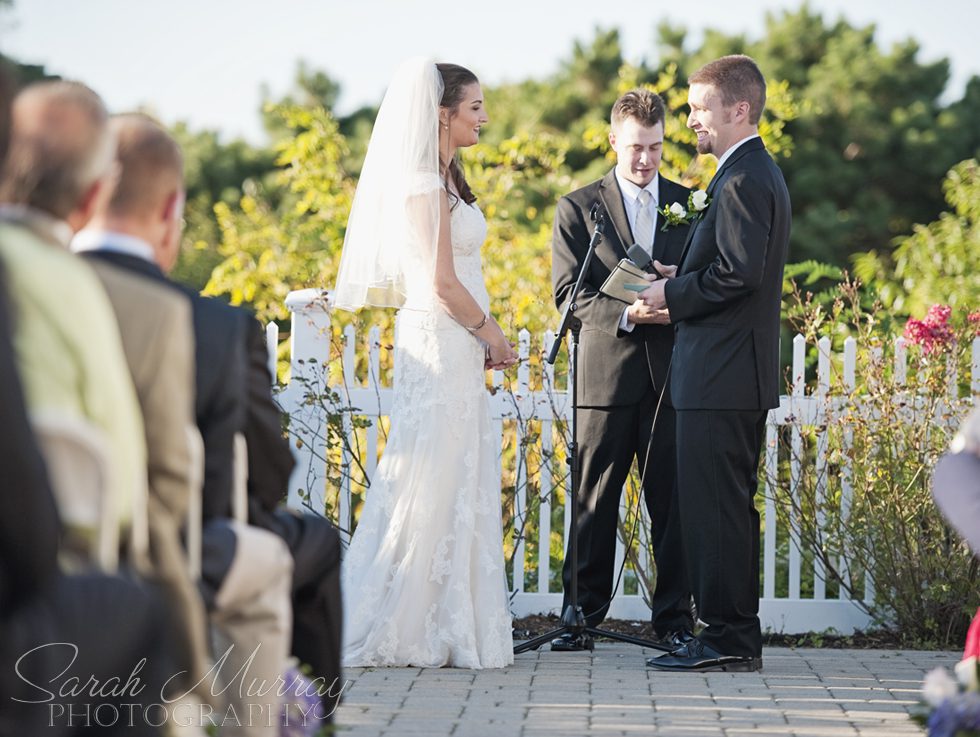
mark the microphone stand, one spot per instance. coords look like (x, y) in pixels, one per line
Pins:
(572, 617)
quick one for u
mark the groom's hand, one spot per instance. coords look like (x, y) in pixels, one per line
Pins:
(653, 296)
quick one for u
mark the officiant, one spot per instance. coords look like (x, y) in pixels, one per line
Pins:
(624, 360)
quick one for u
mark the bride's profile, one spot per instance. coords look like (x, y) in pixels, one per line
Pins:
(423, 578)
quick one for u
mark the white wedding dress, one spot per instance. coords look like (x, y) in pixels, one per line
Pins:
(423, 578)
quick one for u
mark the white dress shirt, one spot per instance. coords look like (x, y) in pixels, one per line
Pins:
(728, 154)
(630, 192)
(107, 240)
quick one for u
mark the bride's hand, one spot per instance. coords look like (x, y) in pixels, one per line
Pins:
(500, 355)
(500, 351)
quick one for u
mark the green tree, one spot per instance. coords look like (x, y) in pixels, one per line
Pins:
(872, 136)
(214, 173)
(940, 262)
(870, 153)
(287, 235)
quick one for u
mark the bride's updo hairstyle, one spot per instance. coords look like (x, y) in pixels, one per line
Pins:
(454, 80)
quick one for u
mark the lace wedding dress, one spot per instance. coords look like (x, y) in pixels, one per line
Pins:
(423, 578)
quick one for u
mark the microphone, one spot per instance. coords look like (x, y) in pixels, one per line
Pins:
(597, 216)
(643, 260)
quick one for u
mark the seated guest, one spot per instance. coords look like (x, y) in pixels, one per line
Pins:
(246, 571)
(55, 627)
(109, 624)
(312, 540)
(158, 342)
(234, 395)
(66, 342)
(62, 166)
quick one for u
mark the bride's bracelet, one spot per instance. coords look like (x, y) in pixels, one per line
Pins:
(478, 325)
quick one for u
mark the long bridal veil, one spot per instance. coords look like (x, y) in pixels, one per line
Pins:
(393, 229)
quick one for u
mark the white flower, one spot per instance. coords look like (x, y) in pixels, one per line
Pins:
(938, 686)
(966, 673)
(699, 200)
(678, 209)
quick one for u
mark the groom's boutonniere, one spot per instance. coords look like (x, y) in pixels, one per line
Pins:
(678, 214)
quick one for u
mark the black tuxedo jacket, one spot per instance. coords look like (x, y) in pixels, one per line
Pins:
(726, 298)
(613, 368)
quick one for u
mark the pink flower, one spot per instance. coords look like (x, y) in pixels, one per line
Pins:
(974, 319)
(972, 648)
(933, 331)
(938, 315)
(966, 669)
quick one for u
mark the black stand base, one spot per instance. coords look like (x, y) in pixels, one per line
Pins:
(573, 623)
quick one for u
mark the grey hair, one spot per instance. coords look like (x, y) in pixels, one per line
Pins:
(60, 146)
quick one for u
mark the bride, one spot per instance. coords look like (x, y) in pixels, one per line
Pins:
(423, 578)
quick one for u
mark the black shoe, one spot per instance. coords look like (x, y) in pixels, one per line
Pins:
(568, 642)
(696, 657)
(675, 638)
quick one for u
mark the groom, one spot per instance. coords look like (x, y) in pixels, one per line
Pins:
(624, 407)
(724, 298)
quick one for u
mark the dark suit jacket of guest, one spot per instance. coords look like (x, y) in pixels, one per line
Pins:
(219, 351)
(613, 368)
(725, 300)
(29, 526)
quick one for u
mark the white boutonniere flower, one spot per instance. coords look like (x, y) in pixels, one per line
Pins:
(698, 201)
(678, 214)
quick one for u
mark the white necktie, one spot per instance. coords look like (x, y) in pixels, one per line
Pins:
(644, 221)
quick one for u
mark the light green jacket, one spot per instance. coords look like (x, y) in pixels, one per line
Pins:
(69, 353)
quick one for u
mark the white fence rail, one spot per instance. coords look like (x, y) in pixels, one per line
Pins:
(797, 611)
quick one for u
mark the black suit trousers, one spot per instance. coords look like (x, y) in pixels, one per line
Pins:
(717, 471)
(609, 439)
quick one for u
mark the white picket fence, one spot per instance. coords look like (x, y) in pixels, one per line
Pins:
(310, 340)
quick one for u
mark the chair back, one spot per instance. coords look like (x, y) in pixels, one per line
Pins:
(239, 489)
(195, 501)
(74, 452)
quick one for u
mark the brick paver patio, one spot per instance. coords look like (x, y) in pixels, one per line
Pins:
(802, 692)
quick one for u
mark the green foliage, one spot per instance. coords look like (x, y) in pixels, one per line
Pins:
(939, 262)
(213, 173)
(862, 493)
(271, 245)
(518, 183)
(330, 430)
(872, 143)
(872, 137)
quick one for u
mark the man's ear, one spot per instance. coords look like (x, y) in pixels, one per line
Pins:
(88, 203)
(612, 138)
(171, 207)
(742, 110)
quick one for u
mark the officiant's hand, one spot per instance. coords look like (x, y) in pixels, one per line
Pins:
(667, 270)
(639, 313)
